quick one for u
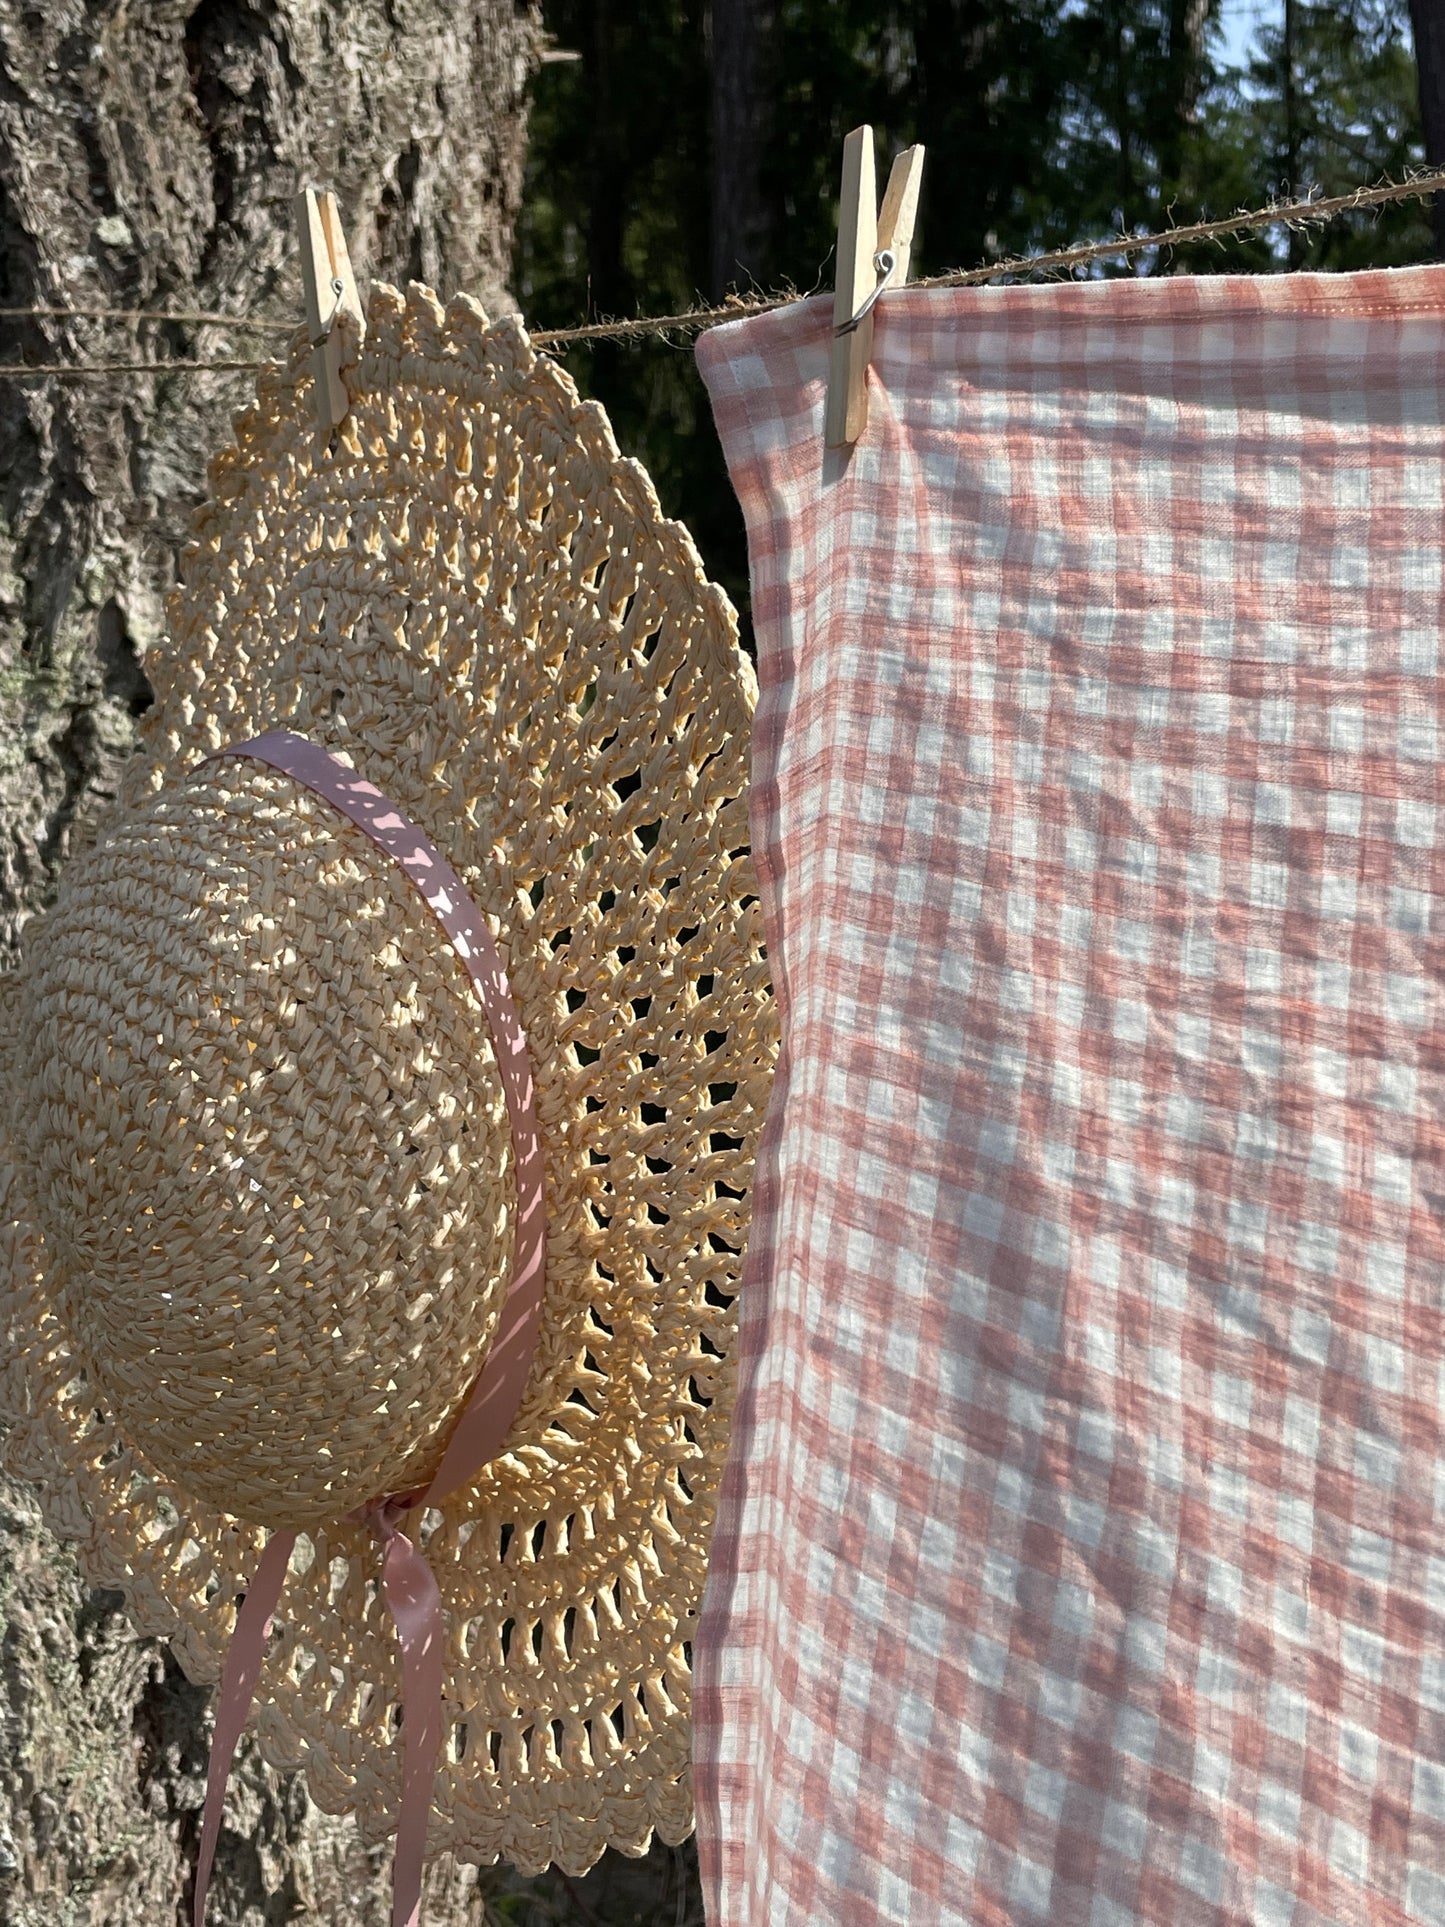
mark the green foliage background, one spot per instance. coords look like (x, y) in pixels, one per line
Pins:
(1045, 123)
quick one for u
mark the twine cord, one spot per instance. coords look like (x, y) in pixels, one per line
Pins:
(1305, 213)
(88, 370)
(198, 317)
(1058, 260)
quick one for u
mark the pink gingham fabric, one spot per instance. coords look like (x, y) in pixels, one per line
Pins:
(1082, 1553)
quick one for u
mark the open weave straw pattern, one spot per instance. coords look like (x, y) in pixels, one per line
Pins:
(476, 601)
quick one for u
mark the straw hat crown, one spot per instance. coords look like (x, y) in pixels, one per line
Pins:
(268, 1146)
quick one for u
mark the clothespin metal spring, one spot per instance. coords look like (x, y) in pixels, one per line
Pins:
(338, 288)
(884, 262)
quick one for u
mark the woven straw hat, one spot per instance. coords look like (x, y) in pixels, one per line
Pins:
(259, 1198)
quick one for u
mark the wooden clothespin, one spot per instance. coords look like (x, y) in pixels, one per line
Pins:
(874, 248)
(330, 294)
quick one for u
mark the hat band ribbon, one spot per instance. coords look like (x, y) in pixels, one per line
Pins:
(408, 1583)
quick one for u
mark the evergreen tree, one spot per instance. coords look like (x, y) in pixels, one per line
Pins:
(1045, 124)
(1329, 105)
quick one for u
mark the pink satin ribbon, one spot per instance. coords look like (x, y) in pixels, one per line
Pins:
(408, 1583)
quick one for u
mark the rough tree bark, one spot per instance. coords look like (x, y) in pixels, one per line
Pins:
(1427, 18)
(148, 156)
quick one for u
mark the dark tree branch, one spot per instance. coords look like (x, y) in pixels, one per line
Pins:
(1427, 17)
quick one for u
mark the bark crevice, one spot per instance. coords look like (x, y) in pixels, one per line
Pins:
(148, 158)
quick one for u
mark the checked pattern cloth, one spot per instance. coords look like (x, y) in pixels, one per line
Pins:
(1081, 1555)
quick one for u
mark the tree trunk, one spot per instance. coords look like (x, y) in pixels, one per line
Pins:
(1184, 76)
(742, 59)
(1294, 187)
(148, 157)
(609, 286)
(1427, 17)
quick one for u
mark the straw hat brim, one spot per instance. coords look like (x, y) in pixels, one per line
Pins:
(478, 602)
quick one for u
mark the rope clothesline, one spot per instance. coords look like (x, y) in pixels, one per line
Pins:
(1276, 214)
(87, 370)
(1294, 214)
(206, 316)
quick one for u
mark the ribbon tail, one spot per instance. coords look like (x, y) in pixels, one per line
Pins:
(416, 1606)
(238, 1689)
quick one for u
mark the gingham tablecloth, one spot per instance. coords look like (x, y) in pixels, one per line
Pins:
(1082, 1552)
